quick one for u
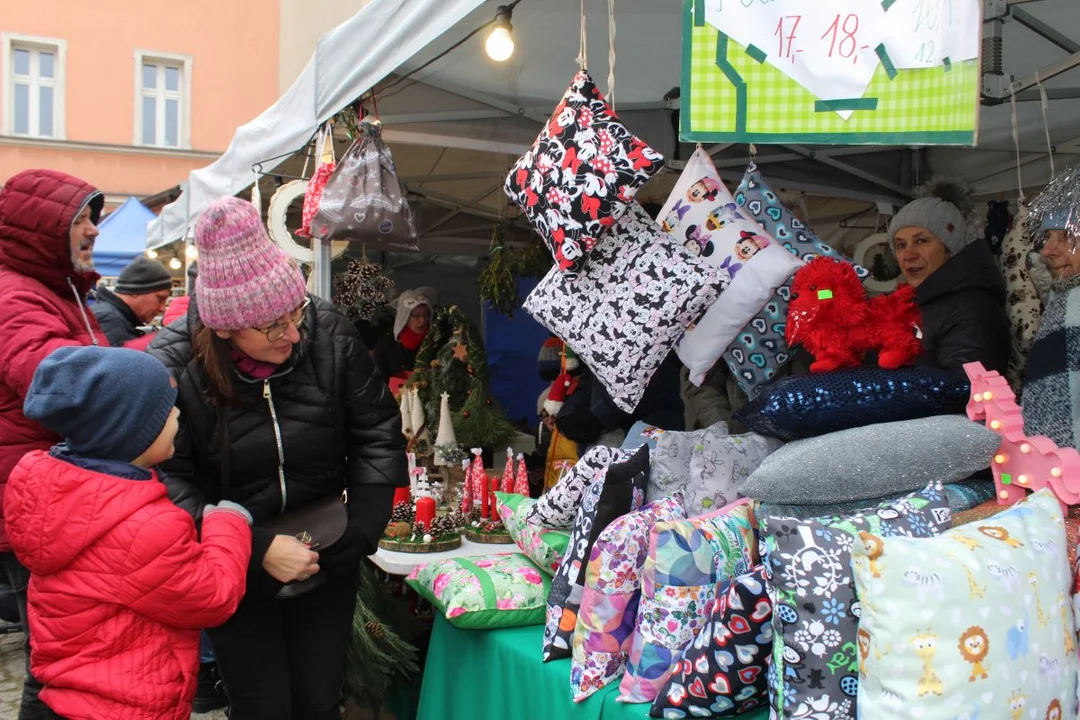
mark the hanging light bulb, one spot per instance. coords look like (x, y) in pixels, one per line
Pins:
(500, 43)
(175, 263)
(152, 254)
(191, 252)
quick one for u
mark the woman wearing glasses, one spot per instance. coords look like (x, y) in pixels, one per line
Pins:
(280, 408)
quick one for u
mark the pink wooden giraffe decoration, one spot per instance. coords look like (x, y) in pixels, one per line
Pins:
(1021, 463)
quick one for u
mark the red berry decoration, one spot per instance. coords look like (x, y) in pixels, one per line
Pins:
(470, 370)
(464, 413)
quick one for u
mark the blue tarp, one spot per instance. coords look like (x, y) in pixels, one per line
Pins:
(122, 238)
(513, 345)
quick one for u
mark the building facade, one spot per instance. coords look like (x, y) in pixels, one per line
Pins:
(131, 96)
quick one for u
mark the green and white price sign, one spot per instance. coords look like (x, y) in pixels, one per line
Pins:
(903, 72)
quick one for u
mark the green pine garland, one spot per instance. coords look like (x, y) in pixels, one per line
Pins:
(380, 656)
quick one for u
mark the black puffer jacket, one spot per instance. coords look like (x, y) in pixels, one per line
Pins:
(115, 318)
(339, 427)
(963, 312)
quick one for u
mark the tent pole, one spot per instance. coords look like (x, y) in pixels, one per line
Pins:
(321, 268)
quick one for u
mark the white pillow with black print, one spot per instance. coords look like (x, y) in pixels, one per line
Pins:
(558, 507)
(629, 306)
(702, 215)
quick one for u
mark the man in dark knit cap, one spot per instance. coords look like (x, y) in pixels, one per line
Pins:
(139, 296)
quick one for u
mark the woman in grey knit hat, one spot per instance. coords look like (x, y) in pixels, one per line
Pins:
(958, 287)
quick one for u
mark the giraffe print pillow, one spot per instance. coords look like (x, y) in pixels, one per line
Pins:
(976, 621)
(814, 672)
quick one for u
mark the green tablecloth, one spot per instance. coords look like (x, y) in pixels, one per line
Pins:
(498, 675)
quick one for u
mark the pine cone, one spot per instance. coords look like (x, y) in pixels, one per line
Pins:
(375, 629)
(401, 513)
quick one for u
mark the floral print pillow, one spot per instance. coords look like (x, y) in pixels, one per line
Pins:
(630, 305)
(609, 603)
(723, 672)
(621, 491)
(707, 466)
(760, 350)
(687, 560)
(494, 591)
(974, 622)
(702, 216)
(815, 609)
(580, 175)
(558, 507)
(544, 546)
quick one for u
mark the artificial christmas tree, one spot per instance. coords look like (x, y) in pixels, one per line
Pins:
(452, 361)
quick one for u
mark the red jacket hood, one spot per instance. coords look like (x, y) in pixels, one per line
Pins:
(37, 208)
(59, 509)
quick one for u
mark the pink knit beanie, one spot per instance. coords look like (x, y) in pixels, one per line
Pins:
(245, 280)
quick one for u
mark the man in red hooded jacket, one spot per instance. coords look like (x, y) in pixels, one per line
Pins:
(48, 224)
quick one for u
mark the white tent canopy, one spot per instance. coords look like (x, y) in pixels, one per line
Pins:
(456, 125)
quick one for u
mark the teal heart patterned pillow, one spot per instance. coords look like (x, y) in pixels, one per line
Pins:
(759, 349)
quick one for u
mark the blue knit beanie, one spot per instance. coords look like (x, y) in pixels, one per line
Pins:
(108, 403)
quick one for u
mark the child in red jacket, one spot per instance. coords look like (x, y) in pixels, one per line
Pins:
(120, 583)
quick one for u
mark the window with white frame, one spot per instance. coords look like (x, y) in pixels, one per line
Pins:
(161, 110)
(34, 87)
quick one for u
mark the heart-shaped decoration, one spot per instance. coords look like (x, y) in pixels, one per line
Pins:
(747, 339)
(782, 358)
(796, 223)
(784, 291)
(738, 355)
(803, 239)
(775, 213)
(758, 359)
(752, 184)
(722, 705)
(735, 602)
(749, 674)
(762, 610)
(738, 625)
(701, 665)
(773, 309)
(759, 324)
(748, 376)
(779, 328)
(754, 207)
(676, 694)
(769, 344)
(672, 626)
(720, 684)
(746, 693)
(724, 659)
(697, 689)
(791, 248)
(769, 195)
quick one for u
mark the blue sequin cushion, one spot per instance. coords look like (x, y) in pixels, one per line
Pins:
(819, 403)
(759, 350)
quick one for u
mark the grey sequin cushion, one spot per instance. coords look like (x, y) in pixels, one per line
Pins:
(873, 461)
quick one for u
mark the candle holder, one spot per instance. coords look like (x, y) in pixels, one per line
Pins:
(489, 531)
(405, 534)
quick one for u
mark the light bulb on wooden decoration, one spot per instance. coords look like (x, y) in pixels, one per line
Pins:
(1021, 464)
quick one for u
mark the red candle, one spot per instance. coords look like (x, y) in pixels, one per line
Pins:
(485, 495)
(425, 512)
(401, 494)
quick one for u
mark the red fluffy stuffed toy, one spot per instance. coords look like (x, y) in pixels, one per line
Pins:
(830, 315)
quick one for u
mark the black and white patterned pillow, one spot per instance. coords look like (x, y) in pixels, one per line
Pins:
(621, 490)
(581, 174)
(629, 306)
(557, 507)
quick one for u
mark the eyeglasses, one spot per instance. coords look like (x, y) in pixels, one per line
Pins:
(277, 331)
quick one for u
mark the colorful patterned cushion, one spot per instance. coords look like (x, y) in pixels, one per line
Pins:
(976, 621)
(493, 591)
(558, 507)
(544, 546)
(723, 672)
(687, 559)
(702, 214)
(815, 610)
(706, 466)
(622, 490)
(760, 349)
(873, 461)
(629, 306)
(580, 175)
(821, 403)
(609, 603)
